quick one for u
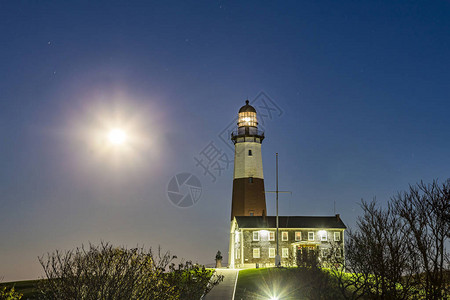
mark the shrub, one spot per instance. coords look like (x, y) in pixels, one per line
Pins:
(9, 294)
(107, 272)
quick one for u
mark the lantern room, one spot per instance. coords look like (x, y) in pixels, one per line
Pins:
(247, 116)
(247, 130)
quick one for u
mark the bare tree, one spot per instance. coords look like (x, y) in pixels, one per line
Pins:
(350, 284)
(425, 211)
(400, 252)
(107, 272)
(377, 263)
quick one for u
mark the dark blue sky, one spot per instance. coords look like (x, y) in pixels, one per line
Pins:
(363, 87)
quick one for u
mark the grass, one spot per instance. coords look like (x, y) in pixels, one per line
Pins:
(252, 284)
(285, 283)
(259, 283)
(27, 288)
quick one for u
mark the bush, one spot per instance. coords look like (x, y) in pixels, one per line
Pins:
(107, 272)
(9, 294)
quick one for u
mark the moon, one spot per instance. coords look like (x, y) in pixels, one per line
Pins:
(117, 136)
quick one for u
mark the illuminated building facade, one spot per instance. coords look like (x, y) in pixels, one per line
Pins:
(253, 240)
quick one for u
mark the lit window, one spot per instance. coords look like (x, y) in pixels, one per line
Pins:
(285, 252)
(271, 236)
(256, 235)
(323, 235)
(310, 236)
(271, 252)
(337, 236)
(256, 253)
(249, 152)
(298, 236)
(284, 236)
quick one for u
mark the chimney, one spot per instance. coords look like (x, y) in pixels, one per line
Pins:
(338, 217)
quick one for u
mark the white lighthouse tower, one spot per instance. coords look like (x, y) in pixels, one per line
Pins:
(248, 182)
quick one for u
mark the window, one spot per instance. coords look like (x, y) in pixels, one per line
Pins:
(255, 252)
(285, 252)
(250, 180)
(310, 236)
(256, 235)
(271, 252)
(323, 236)
(337, 236)
(249, 152)
(284, 236)
(271, 236)
(298, 236)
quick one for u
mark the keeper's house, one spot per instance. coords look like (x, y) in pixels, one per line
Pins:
(253, 239)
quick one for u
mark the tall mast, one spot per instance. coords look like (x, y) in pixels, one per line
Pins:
(277, 257)
(278, 254)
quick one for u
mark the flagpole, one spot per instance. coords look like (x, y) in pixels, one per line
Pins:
(277, 257)
(277, 261)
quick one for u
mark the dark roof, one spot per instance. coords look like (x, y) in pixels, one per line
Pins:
(290, 222)
(247, 108)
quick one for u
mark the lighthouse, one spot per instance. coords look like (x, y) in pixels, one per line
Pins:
(254, 239)
(248, 180)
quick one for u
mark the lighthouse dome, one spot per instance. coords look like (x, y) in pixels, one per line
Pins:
(247, 108)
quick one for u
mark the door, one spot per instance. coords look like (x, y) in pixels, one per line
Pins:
(306, 255)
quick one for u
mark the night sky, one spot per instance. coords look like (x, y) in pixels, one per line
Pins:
(359, 92)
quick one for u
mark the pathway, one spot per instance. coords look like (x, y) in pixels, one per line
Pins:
(225, 289)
